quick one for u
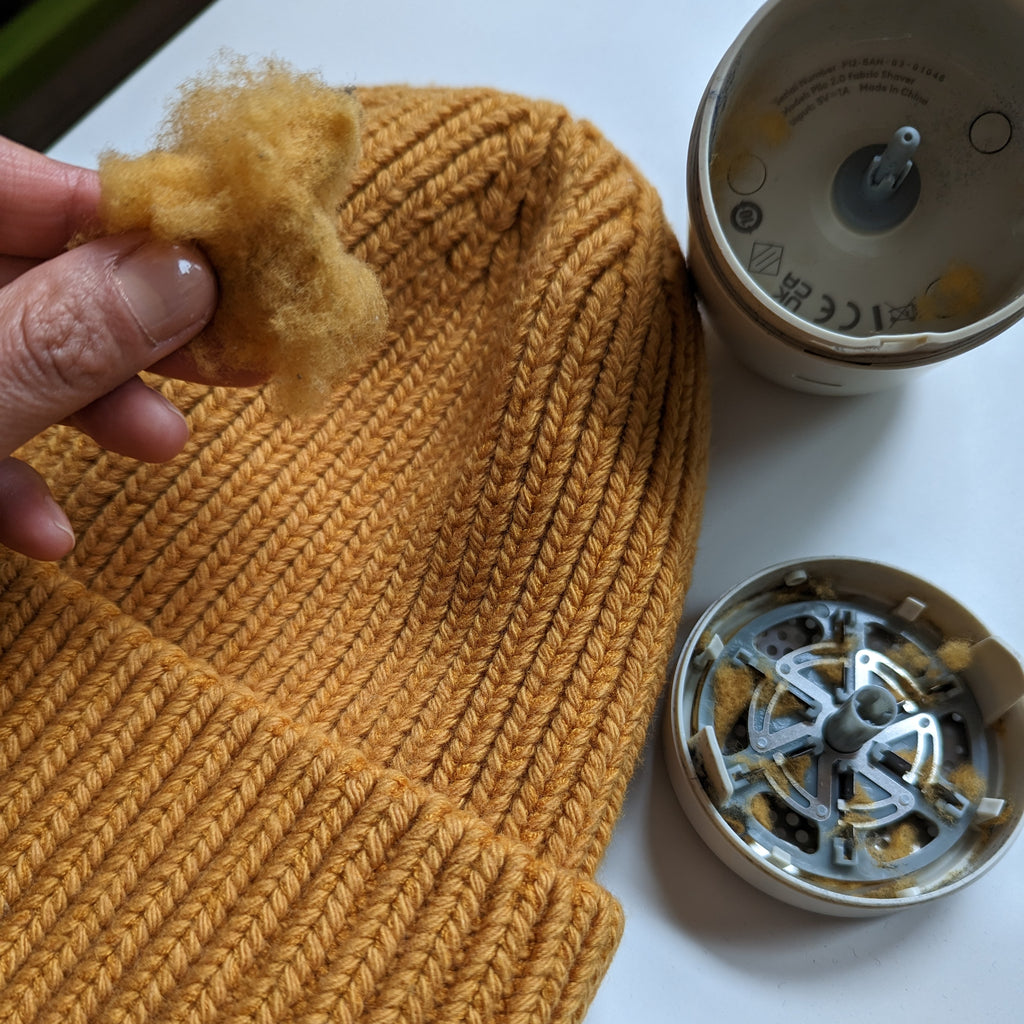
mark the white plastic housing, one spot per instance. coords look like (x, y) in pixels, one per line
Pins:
(805, 85)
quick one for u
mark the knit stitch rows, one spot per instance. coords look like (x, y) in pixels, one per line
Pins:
(331, 719)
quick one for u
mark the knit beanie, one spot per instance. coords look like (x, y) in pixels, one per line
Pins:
(329, 719)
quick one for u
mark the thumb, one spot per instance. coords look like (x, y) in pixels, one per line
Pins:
(77, 326)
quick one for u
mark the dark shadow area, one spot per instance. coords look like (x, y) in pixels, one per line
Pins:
(785, 466)
(58, 67)
(12, 9)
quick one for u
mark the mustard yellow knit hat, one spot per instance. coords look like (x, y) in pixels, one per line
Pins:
(330, 719)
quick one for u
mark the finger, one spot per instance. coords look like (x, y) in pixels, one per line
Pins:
(182, 365)
(134, 420)
(77, 326)
(44, 202)
(14, 266)
(30, 520)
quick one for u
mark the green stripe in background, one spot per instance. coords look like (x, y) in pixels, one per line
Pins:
(37, 41)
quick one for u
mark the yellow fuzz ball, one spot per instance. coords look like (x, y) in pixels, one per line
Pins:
(251, 166)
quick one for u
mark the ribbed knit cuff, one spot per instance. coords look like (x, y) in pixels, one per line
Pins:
(171, 851)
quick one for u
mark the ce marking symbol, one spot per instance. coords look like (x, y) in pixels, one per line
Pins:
(828, 310)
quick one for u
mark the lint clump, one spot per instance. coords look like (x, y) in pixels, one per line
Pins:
(251, 165)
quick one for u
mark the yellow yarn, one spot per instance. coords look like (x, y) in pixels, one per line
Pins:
(330, 720)
(252, 165)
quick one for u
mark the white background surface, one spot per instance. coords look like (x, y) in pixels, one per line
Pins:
(928, 478)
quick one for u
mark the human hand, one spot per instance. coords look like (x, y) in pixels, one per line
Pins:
(75, 328)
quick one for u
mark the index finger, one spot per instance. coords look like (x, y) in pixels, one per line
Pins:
(43, 202)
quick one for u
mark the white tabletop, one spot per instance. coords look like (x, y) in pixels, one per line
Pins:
(927, 478)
